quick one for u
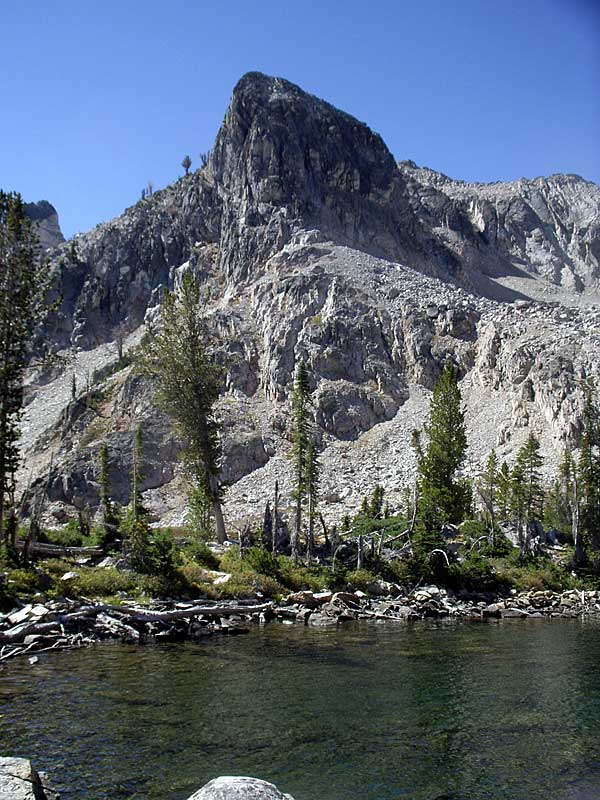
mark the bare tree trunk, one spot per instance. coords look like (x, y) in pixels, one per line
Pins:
(359, 559)
(217, 509)
(244, 539)
(335, 539)
(579, 554)
(219, 521)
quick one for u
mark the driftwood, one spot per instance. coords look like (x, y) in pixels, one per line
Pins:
(19, 632)
(140, 615)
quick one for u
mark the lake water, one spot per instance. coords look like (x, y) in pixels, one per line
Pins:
(371, 712)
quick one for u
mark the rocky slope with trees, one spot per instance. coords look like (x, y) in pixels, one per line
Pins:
(311, 243)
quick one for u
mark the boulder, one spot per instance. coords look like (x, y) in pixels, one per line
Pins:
(20, 781)
(304, 598)
(239, 788)
(346, 599)
(322, 621)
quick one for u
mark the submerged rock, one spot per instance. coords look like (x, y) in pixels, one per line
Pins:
(239, 788)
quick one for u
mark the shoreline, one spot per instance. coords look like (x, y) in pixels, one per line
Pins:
(39, 626)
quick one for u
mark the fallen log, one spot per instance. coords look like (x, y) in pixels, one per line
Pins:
(141, 615)
(19, 632)
(54, 550)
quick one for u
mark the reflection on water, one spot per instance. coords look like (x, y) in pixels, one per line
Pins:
(376, 712)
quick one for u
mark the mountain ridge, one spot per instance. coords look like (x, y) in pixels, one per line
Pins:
(315, 243)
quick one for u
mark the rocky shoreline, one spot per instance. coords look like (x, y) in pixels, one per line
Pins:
(19, 780)
(65, 624)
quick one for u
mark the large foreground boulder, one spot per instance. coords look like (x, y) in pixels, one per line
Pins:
(239, 788)
(20, 781)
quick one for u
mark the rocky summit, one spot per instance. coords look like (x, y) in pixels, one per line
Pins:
(313, 242)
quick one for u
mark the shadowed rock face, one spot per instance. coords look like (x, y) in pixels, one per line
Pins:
(287, 162)
(315, 244)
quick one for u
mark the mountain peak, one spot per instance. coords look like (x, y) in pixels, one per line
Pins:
(287, 160)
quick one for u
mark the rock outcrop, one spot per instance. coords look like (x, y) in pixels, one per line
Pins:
(45, 219)
(314, 243)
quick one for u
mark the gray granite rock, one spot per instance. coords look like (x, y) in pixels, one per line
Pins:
(20, 781)
(239, 788)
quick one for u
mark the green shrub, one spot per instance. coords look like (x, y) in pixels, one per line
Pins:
(335, 578)
(474, 573)
(535, 576)
(200, 553)
(96, 582)
(68, 536)
(198, 585)
(245, 586)
(55, 567)
(359, 579)
(260, 560)
(24, 582)
(297, 576)
(150, 552)
(473, 529)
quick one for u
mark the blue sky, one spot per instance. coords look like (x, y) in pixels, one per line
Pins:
(100, 97)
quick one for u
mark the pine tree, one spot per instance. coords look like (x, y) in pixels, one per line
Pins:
(177, 356)
(527, 493)
(531, 461)
(503, 494)
(109, 516)
(376, 504)
(23, 282)
(487, 488)
(558, 507)
(311, 482)
(186, 164)
(444, 496)
(199, 510)
(268, 527)
(300, 410)
(588, 470)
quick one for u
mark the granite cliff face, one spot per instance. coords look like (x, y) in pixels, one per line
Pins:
(316, 244)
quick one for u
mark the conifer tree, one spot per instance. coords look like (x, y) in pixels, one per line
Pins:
(135, 526)
(177, 356)
(23, 281)
(527, 493)
(300, 411)
(444, 496)
(199, 513)
(487, 488)
(376, 504)
(503, 494)
(588, 470)
(186, 164)
(109, 517)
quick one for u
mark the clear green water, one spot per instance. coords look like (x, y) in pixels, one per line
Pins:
(376, 712)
